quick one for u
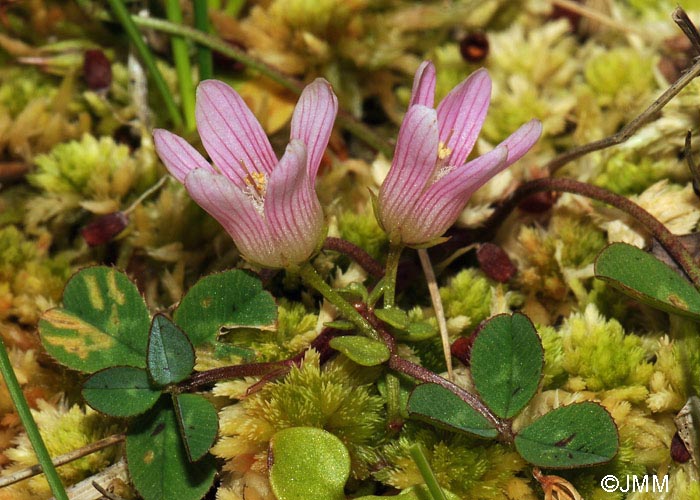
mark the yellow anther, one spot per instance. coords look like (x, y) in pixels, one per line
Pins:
(443, 151)
(258, 181)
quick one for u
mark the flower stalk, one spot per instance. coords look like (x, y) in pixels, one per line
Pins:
(390, 275)
(313, 279)
(182, 64)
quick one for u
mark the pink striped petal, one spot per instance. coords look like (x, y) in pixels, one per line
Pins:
(442, 202)
(413, 165)
(461, 115)
(177, 155)
(423, 91)
(520, 141)
(312, 121)
(292, 209)
(230, 132)
(234, 210)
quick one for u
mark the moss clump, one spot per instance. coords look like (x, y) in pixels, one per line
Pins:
(29, 280)
(627, 176)
(461, 466)
(64, 429)
(335, 398)
(363, 230)
(597, 355)
(468, 294)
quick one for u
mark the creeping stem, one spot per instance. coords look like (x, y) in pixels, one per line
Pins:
(668, 240)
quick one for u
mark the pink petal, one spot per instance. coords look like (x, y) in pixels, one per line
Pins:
(423, 91)
(230, 132)
(292, 209)
(177, 155)
(313, 119)
(520, 141)
(234, 210)
(413, 165)
(461, 115)
(442, 202)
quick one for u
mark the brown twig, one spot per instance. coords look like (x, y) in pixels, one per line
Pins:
(631, 128)
(35, 470)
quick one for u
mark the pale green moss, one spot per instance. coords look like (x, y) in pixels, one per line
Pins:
(21, 85)
(625, 176)
(335, 398)
(598, 355)
(296, 328)
(363, 230)
(620, 76)
(580, 239)
(466, 469)
(468, 293)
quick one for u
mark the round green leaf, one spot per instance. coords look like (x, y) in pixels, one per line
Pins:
(157, 460)
(228, 299)
(121, 391)
(308, 464)
(104, 322)
(443, 408)
(646, 279)
(361, 350)
(393, 316)
(506, 363)
(170, 354)
(577, 435)
(198, 423)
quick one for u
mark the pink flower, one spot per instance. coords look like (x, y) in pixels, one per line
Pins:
(268, 206)
(429, 182)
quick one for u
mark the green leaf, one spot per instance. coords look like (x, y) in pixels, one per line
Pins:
(170, 354)
(646, 279)
(198, 423)
(416, 332)
(393, 316)
(340, 324)
(506, 363)
(120, 391)
(577, 435)
(361, 350)
(442, 408)
(308, 464)
(103, 322)
(157, 460)
(228, 299)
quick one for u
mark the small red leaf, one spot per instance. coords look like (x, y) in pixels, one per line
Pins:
(97, 70)
(104, 228)
(494, 261)
(679, 452)
(474, 47)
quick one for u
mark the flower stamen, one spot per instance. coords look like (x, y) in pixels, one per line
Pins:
(255, 189)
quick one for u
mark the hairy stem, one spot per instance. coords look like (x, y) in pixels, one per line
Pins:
(25, 416)
(423, 374)
(356, 253)
(392, 268)
(668, 240)
(312, 278)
